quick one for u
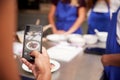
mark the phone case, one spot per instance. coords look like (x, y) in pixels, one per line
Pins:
(32, 41)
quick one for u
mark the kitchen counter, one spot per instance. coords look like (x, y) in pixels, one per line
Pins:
(82, 67)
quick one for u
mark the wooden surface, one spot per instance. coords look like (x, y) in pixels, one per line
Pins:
(82, 67)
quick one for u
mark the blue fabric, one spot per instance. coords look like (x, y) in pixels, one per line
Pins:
(66, 15)
(112, 72)
(98, 20)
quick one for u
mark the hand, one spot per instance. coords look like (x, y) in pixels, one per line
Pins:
(60, 32)
(54, 31)
(41, 66)
(67, 33)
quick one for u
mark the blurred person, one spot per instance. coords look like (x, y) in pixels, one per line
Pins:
(98, 15)
(114, 6)
(8, 67)
(67, 16)
(111, 60)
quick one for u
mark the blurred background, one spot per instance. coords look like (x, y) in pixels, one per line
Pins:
(31, 10)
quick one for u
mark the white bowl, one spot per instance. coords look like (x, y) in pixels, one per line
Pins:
(90, 39)
(73, 35)
(102, 36)
(56, 37)
(79, 41)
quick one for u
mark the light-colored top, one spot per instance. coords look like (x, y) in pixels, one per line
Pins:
(118, 27)
(114, 5)
(101, 6)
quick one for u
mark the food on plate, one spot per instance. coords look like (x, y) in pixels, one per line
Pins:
(52, 65)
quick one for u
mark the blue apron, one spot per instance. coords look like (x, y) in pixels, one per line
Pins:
(98, 20)
(112, 72)
(66, 15)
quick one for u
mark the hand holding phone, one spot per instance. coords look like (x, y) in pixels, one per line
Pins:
(32, 41)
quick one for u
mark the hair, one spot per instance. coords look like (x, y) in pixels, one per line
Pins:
(72, 2)
(91, 3)
(66, 1)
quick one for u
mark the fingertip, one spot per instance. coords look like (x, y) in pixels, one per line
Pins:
(23, 60)
(34, 53)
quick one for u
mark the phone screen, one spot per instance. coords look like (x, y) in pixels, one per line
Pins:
(32, 40)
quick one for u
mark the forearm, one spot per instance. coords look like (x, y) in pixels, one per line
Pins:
(76, 25)
(111, 60)
(51, 17)
(79, 20)
(52, 22)
(46, 76)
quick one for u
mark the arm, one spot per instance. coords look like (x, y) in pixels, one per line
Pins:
(111, 60)
(79, 21)
(8, 67)
(51, 18)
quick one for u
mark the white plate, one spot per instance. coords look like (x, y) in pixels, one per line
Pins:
(56, 37)
(56, 65)
(55, 68)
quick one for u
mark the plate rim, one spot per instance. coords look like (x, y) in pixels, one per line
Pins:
(56, 63)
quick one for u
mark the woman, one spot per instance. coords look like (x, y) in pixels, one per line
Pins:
(68, 14)
(99, 15)
(111, 60)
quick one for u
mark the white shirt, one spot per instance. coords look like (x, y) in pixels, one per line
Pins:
(118, 27)
(101, 6)
(114, 5)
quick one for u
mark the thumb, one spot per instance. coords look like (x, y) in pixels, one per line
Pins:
(35, 53)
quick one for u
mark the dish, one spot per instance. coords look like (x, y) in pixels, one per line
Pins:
(56, 37)
(73, 35)
(102, 36)
(78, 41)
(90, 38)
(55, 65)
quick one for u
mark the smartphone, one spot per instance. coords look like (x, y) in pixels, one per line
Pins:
(32, 41)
